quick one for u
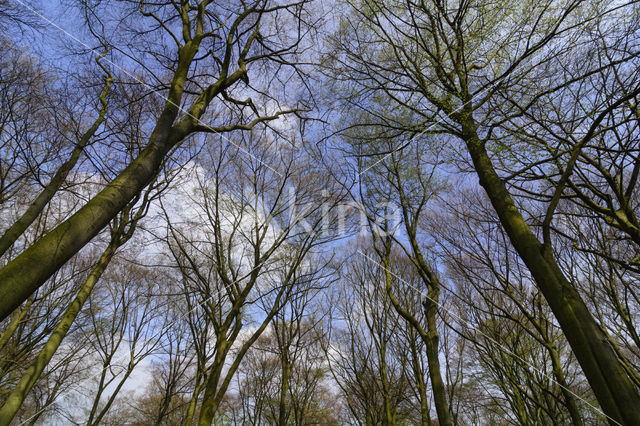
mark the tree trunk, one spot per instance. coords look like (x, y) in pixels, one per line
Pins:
(433, 360)
(16, 318)
(431, 340)
(388, 411)
(210, 402)
(30, 377)
(101, 388)
(194, 401)
(22, 276)
(284, 389)
(425, 416)
(615, 392)
(97, 419)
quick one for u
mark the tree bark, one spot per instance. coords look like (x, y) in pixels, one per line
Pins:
(210, 401)
(26, 273)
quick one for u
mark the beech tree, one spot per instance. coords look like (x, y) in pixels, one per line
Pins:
(449, 68)
(502, 307)
(227, 41)
(364, 352)
(247, 248)
(410, 179)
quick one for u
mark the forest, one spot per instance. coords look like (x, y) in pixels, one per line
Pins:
(319, 212)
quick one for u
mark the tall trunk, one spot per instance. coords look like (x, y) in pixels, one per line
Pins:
(24, 274)
(214, 389)
(614, 390)
(431, 340)
(433, 360)
(284, 390)
(430, 305)
(30, 377)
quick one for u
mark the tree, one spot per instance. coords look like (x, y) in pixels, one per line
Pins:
(509, 322)
(363, 353)
(283, 377)
(246, 248)
(58, 178)
(242, 35)
(447, 68)
(408, 178)
(121, 230)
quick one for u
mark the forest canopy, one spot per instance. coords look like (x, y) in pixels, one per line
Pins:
(296, 212)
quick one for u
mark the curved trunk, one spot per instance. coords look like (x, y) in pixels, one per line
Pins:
(431, 340)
